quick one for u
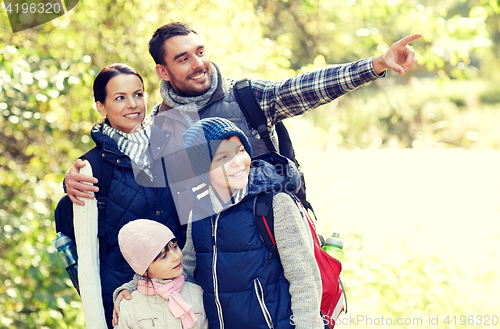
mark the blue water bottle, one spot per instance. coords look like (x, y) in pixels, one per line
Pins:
(66, 249)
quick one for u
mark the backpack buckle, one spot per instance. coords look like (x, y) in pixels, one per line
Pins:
(263, 131)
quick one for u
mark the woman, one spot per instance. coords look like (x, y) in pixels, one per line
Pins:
(123, 140)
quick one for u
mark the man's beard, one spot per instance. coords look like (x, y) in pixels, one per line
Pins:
(186, 88)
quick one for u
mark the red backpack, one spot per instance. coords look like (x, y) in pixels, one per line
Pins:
(332, 303)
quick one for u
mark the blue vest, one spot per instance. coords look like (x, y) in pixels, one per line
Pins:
(127, 201)
(243, 286)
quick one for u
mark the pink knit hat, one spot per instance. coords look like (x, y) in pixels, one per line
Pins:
(141, 241)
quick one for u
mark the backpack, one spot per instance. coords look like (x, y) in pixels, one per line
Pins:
(255, 116)
(63, 214)
(332, 303)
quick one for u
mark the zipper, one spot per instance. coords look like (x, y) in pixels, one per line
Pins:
(214, 271)
(153, 319)
(259, 292)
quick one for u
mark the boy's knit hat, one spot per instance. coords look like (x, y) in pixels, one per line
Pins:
(203, 138)
(141, 241)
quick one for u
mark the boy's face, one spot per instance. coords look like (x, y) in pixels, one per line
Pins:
(168, 265)
(230, 167)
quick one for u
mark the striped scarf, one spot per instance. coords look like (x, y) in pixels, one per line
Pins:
(134, 145)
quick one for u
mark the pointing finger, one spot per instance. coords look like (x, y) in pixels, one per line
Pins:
(409, 38)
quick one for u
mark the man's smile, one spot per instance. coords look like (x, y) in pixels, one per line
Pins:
(199, 76)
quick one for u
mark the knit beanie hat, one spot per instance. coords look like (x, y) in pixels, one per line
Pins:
(203, 138)
(141, 241)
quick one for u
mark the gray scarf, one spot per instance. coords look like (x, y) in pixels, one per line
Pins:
(172, 99)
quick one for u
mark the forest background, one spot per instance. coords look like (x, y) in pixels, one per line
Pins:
(406, 168)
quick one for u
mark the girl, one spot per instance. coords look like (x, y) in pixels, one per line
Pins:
(122, 139)
(162, 298)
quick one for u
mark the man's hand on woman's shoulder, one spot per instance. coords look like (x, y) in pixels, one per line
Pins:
(79, 185)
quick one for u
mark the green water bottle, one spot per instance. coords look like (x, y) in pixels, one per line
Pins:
(334, 247)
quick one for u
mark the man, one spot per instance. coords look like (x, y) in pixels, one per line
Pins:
(189, 77)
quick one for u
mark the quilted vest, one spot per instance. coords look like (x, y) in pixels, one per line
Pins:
(243, 287)
(127, 201)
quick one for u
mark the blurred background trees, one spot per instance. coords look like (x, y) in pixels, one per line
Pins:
(46, 104)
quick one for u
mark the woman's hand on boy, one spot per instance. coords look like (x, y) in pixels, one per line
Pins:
(124, 294)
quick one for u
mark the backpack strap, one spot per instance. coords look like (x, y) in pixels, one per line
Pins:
(257, 119)
(103, 171)
(343, 293)
(264, 219)
(63, 217)
(252, 111)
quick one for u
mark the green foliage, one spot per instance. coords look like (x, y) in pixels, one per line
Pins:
(490, 96)
(46, 76)
(396, 284)
(35, 293)
(455, 33)
(413, 115)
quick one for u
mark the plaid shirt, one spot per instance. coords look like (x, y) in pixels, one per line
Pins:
(290, 97)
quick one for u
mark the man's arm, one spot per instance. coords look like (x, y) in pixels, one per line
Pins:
(294, 96)
(75, 184)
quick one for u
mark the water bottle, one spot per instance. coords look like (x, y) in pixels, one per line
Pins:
(334, 247)
(66, 250)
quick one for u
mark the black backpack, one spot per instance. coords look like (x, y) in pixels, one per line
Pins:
(255, 116)
(63, 215)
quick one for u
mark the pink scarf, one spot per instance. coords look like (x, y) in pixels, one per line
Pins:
(170, 292)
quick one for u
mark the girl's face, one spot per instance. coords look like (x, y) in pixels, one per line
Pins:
(125, 106)
(230, 168)
(168, 265)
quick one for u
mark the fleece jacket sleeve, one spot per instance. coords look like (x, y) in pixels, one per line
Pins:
(299, 264)
(189, 254)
